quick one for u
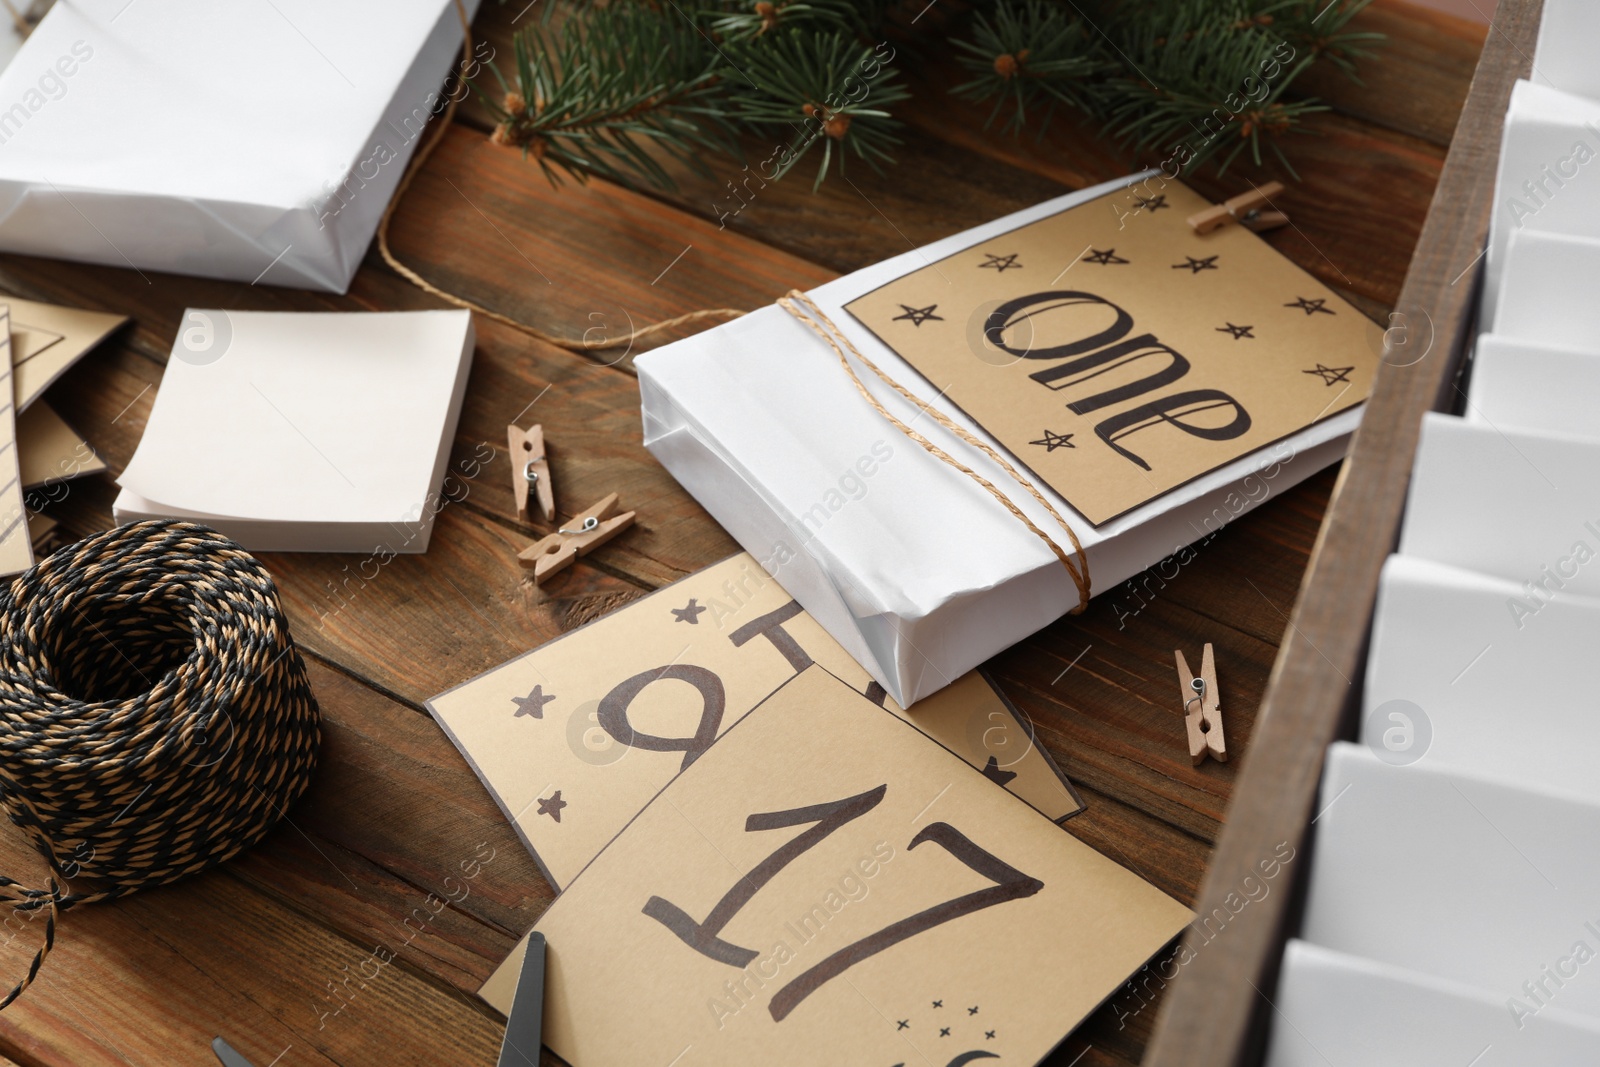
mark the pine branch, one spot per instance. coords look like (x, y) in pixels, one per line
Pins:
(815, 88)
(1030, 53)
(1322, 30)
(597, 94)
(740, 20)
(619, 87)
(1212, 80)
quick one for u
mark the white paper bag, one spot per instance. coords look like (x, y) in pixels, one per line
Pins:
(1334, 1008)
(1505, 502)
(1547, 291)
(1548, 179)
(1568, 33)
(1539, 388)
(915, 569)
(256, 141)
(1500, 672)
(1459, 877)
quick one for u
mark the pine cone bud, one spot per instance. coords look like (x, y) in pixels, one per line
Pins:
(837, 127)
(515, 104)
(769, 15)
(1009, 66)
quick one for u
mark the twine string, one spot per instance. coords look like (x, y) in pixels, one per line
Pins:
(1076, 562)
(426, 150)
(121, 790)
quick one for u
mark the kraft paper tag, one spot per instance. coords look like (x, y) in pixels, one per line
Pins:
(47, 339)
(826, 885)
(1118, 354)
(575, 738)
(16, 548)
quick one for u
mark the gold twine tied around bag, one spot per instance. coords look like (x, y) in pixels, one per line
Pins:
(1076, 562)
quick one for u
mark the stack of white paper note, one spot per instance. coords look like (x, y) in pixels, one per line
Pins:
(304, 432)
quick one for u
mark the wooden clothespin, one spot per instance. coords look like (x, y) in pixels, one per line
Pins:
(1252, 210)
(586, 530)
(530, 470)
(1202, 710)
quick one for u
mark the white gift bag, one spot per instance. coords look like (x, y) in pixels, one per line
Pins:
(1486, 674)
(1334, 1008)
(1465, 878)
(1548, 179)
(907, 562)
(257, 142)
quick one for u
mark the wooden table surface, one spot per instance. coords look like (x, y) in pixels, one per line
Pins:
(251, 951)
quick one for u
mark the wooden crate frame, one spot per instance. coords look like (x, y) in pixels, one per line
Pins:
(1216, 1011)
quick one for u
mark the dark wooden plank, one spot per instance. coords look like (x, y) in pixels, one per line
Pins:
(395, 825)
(1208, 1019)
(394, 805)
(1419, 80)
(953, 173)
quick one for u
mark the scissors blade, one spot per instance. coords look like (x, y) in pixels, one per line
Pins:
(229, 1056)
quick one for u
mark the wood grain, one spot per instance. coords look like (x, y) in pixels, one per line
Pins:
(1208, 1020)
(248, 950)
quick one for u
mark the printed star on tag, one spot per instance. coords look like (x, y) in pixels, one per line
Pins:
(1154, 203)
(1001, 264)
(992, 771)
(918, 316)
(1240, 333)
(690, 613)
(532, 704)
(1331, 375)
(1104, 259)
(552, 806)
(1311, 307)
(1053, 441)
(1197, 265)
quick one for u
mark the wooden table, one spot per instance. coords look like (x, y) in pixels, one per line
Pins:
(251, 951)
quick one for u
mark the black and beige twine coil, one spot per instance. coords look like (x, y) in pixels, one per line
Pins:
(155, 717)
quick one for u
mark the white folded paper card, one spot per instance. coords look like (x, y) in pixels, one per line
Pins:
(1504, 502)
(1548, 179)
(1547, 290)
(1540, 388)
(908, 563)
(1568, 30)
(1461, 877)
(1499, 671)
(317, 432)
(258, 142)
(1346, 1011)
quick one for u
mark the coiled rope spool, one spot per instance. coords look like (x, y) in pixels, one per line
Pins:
(155, 717)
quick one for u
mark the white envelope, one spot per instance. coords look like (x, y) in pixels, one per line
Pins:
(1338, 1010)
(1520, 385)
(1458, 876)
(1568, 32)
(1502, 673)
(922, 575)
(1504, 502)
(256, 142)
(311, 432)
(1549, 174)
(1547, 290)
